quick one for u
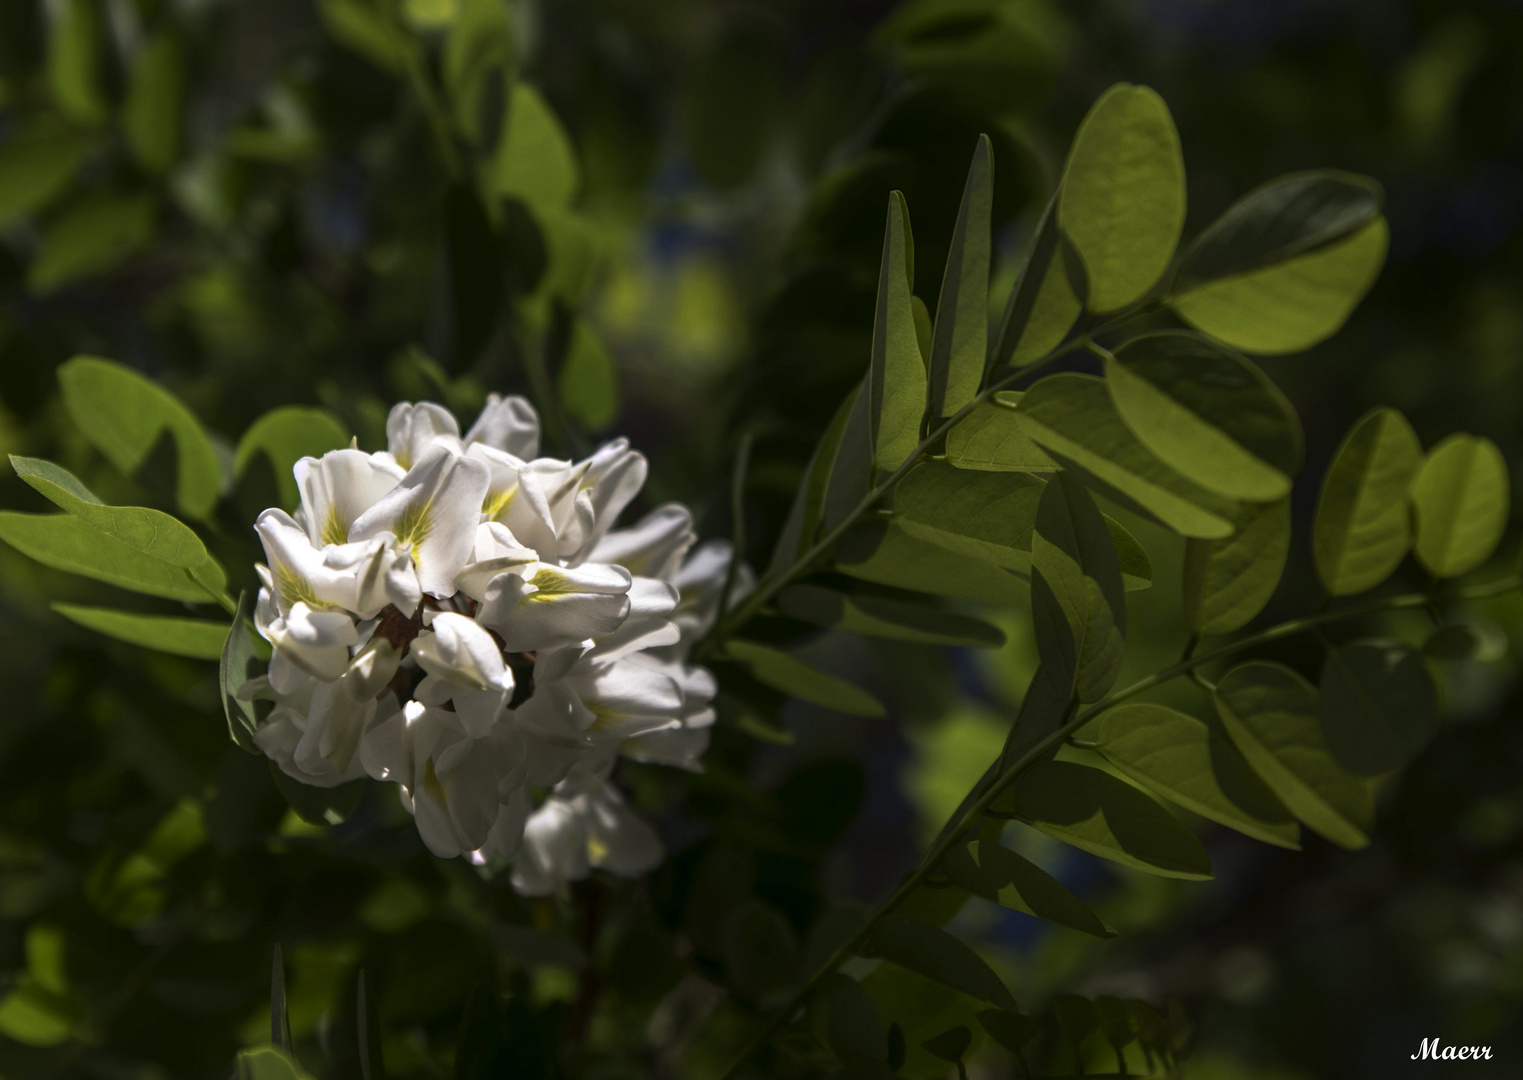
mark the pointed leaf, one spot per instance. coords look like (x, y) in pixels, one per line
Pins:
(1208, 413)
(199, 639)
(1362, 529)
(1123, 194)
(285, 435)
(1042, 307)
(938, 956)
(1228, 582)
(896, 378)
(125, 414)
(1459, 501)
(1272, 715)
(883, 552)
(808, 502)
(64, 542)
(991, 439)
(981, 515)
(1002, 877)
(1194, 764)
(1072, 417)
(950, 1045)
(792, 676)
(851, 473)
(1136, 567)
(853, 1029)
(1095, 812)
(1010, 1029)
(863, 612)
(960, 340)
(1379, 705)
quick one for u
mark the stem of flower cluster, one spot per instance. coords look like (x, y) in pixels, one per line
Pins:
(975, 812)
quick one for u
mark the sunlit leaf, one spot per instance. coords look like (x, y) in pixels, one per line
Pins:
(862, 612)
(1228, 582)
(151, 115)
(1379, 705)
(980, 515)
(1459, 502)
(991, 439)
(75, 59)
(91, 237)
(589, 383)
(937, 955)
(1042, 307)
(1273, 717)
(64, 542)
(125, 414)
(1072, 417)
(897, 374)
(1002, 877)
(883, 552)
(792, 676)
(536, 162)
(1362, 529)
(1122, 201)
(199, 639)
(960, 340)
(1193, 763)
(1208, 413)
(1095, 812)
(285, 435)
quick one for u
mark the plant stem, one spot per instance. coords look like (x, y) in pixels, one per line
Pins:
(971, 816)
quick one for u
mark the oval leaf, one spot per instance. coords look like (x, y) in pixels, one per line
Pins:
(1228, 582)
(991, 439)
(1459, 501)
(1194, 764)
(886, 617)
(937, 955)
(199, 639)
(1002, 877)
(1123, 194)
(1379, 705)
(1042, 307)
(1209, 414)
(982, 515)
(1095, 812)
(1272, 713)
(792, 676)
(1362, 530)
(883, 552)
(285, 436)
(64, 542)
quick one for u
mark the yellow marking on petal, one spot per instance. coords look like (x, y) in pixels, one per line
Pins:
(597, 851)
(432, 783)
(335, 531)
(497, 503)
(415, 524)
(294, 589)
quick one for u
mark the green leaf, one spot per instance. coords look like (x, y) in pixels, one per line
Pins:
(318, 805)
(34, 1015)
(125, 414)
(1072, 417)
(1095, 812)
(862, 612)
(803, 520)
(1379, 705)
(935, 954)
(1136, 567)
(851, 473)
(199, 639)
(979, 515)
(370, 32)
(151, 115)
(1291, 305)
(1228, 582)
(285, 435)
(960, 339)
(268, 1063)
(1482, 640)
(1002, 877)
(36, 163)
(1071, 548)
(796, 678)
(75, 55)
(853, 1029)
(1123, 196)
(896, 378)
(1208, 413)
(950, 1045)
(1010, 1029)
(478, 61)
(589, 384)
(64, 542)
(1272, 713)
(1194, 764)
(1362, 530)
(1289, 216)
(1459, 503)
(235, 669)
(91, 237)
(883, 552)
(1042, 307)
(991, 439)
(536, 162)
(1057, 645)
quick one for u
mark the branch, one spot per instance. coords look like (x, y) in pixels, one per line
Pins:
(967, 818)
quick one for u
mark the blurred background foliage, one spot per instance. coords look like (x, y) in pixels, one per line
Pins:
(662, 218)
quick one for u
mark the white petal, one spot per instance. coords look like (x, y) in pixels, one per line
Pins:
(680, 748)
(371, 669)
(618, 839)
(496, 552)
(412, 429)
(337, 488)
(297, 571)
(553, 606)
(507, 423)
(653, 547)
(462, 651)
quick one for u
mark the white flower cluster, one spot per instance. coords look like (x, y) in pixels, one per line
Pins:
(460, 617)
